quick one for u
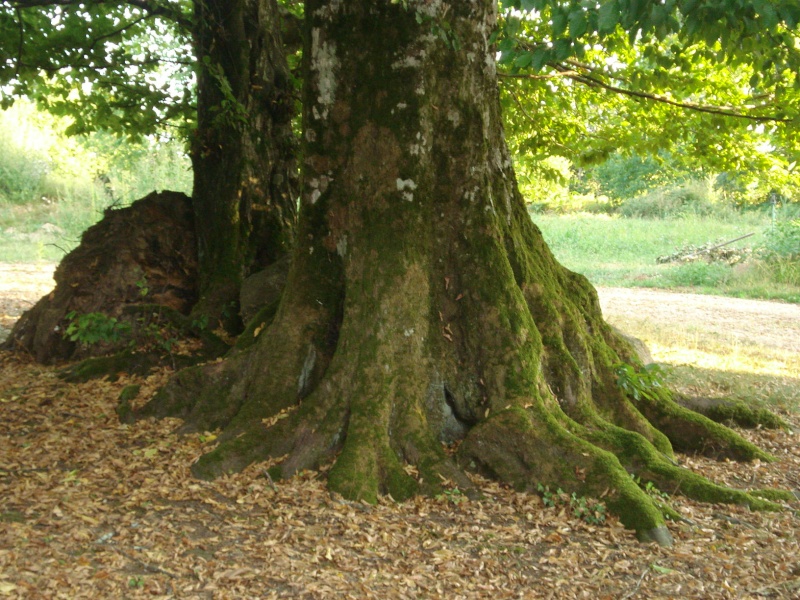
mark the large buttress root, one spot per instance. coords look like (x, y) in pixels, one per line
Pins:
(423, 310)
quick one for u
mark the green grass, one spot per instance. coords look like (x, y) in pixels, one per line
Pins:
(53, 187)
(622, 252)
(44, 231)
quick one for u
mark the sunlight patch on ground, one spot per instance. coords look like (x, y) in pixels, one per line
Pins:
(739, 359)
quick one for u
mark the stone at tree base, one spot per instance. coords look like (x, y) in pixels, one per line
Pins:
(142, 253)
(641, 349)
(263, 289)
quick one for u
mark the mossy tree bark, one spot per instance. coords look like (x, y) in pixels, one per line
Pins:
(426, 329)
(243, 152)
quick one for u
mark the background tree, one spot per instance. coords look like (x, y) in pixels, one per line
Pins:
(692, 80)
(243, 150)
(426, 330)
(131, 67)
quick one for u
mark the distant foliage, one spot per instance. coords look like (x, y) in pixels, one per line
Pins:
(38, 163)
(693, 198)
(621, 177)
(780, 255)
(783, 241)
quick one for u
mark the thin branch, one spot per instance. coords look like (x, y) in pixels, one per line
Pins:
(571, 73)
(714, 110)
(537, 76)
(82, 62)
(635, 590)
(117, 31)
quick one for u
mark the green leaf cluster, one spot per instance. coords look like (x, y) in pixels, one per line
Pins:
(638, 384)
(121, 66)
(714, 82)
(94, 328)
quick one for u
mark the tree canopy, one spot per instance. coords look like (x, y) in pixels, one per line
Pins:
(124, 66)
(716, 82)
(716, 79)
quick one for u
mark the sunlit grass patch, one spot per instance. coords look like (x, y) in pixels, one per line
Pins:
(703, 364)
(759, 390)
(622, 252)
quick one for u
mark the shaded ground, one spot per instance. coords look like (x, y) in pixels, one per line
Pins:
(91, 508)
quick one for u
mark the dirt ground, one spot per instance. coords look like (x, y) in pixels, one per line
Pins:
(770, 325)
(92, 508)
(21, 285)
(767, 324)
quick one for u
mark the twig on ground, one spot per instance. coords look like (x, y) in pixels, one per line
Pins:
(637, 586)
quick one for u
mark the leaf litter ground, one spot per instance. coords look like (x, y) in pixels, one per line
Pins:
(91, 508)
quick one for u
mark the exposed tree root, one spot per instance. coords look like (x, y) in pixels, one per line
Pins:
(424, 311)
(379, 411)
(153, 331)
(734, 412)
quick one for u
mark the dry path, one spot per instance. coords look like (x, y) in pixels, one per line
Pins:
(771, 325)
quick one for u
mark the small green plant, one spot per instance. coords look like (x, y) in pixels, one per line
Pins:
(639, 384)
(142, 285)
(549, 499)
(454, 495)
(136, 582)
(660, 499)
(587, 510)
(593, 513)
(93, 328)
(200, 323)
(650, 489)
(163, 337)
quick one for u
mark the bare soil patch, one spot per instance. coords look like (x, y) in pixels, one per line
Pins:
(21, 285)
(91, 508)
(773, 325)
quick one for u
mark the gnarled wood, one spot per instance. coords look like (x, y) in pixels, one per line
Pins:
(426, 330)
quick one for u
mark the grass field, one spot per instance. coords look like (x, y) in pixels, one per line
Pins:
(610, 251)
(623, 251)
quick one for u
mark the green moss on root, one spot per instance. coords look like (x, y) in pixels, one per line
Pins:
(257, 324)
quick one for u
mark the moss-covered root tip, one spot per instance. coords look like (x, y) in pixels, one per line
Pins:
(659, 535)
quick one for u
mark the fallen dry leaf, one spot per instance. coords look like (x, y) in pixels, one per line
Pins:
(92, 508)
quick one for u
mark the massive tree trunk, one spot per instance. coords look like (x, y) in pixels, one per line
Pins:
(426, 330)
(245, 175)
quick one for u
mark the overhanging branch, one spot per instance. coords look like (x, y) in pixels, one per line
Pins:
(150, 8)
(563, 70)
